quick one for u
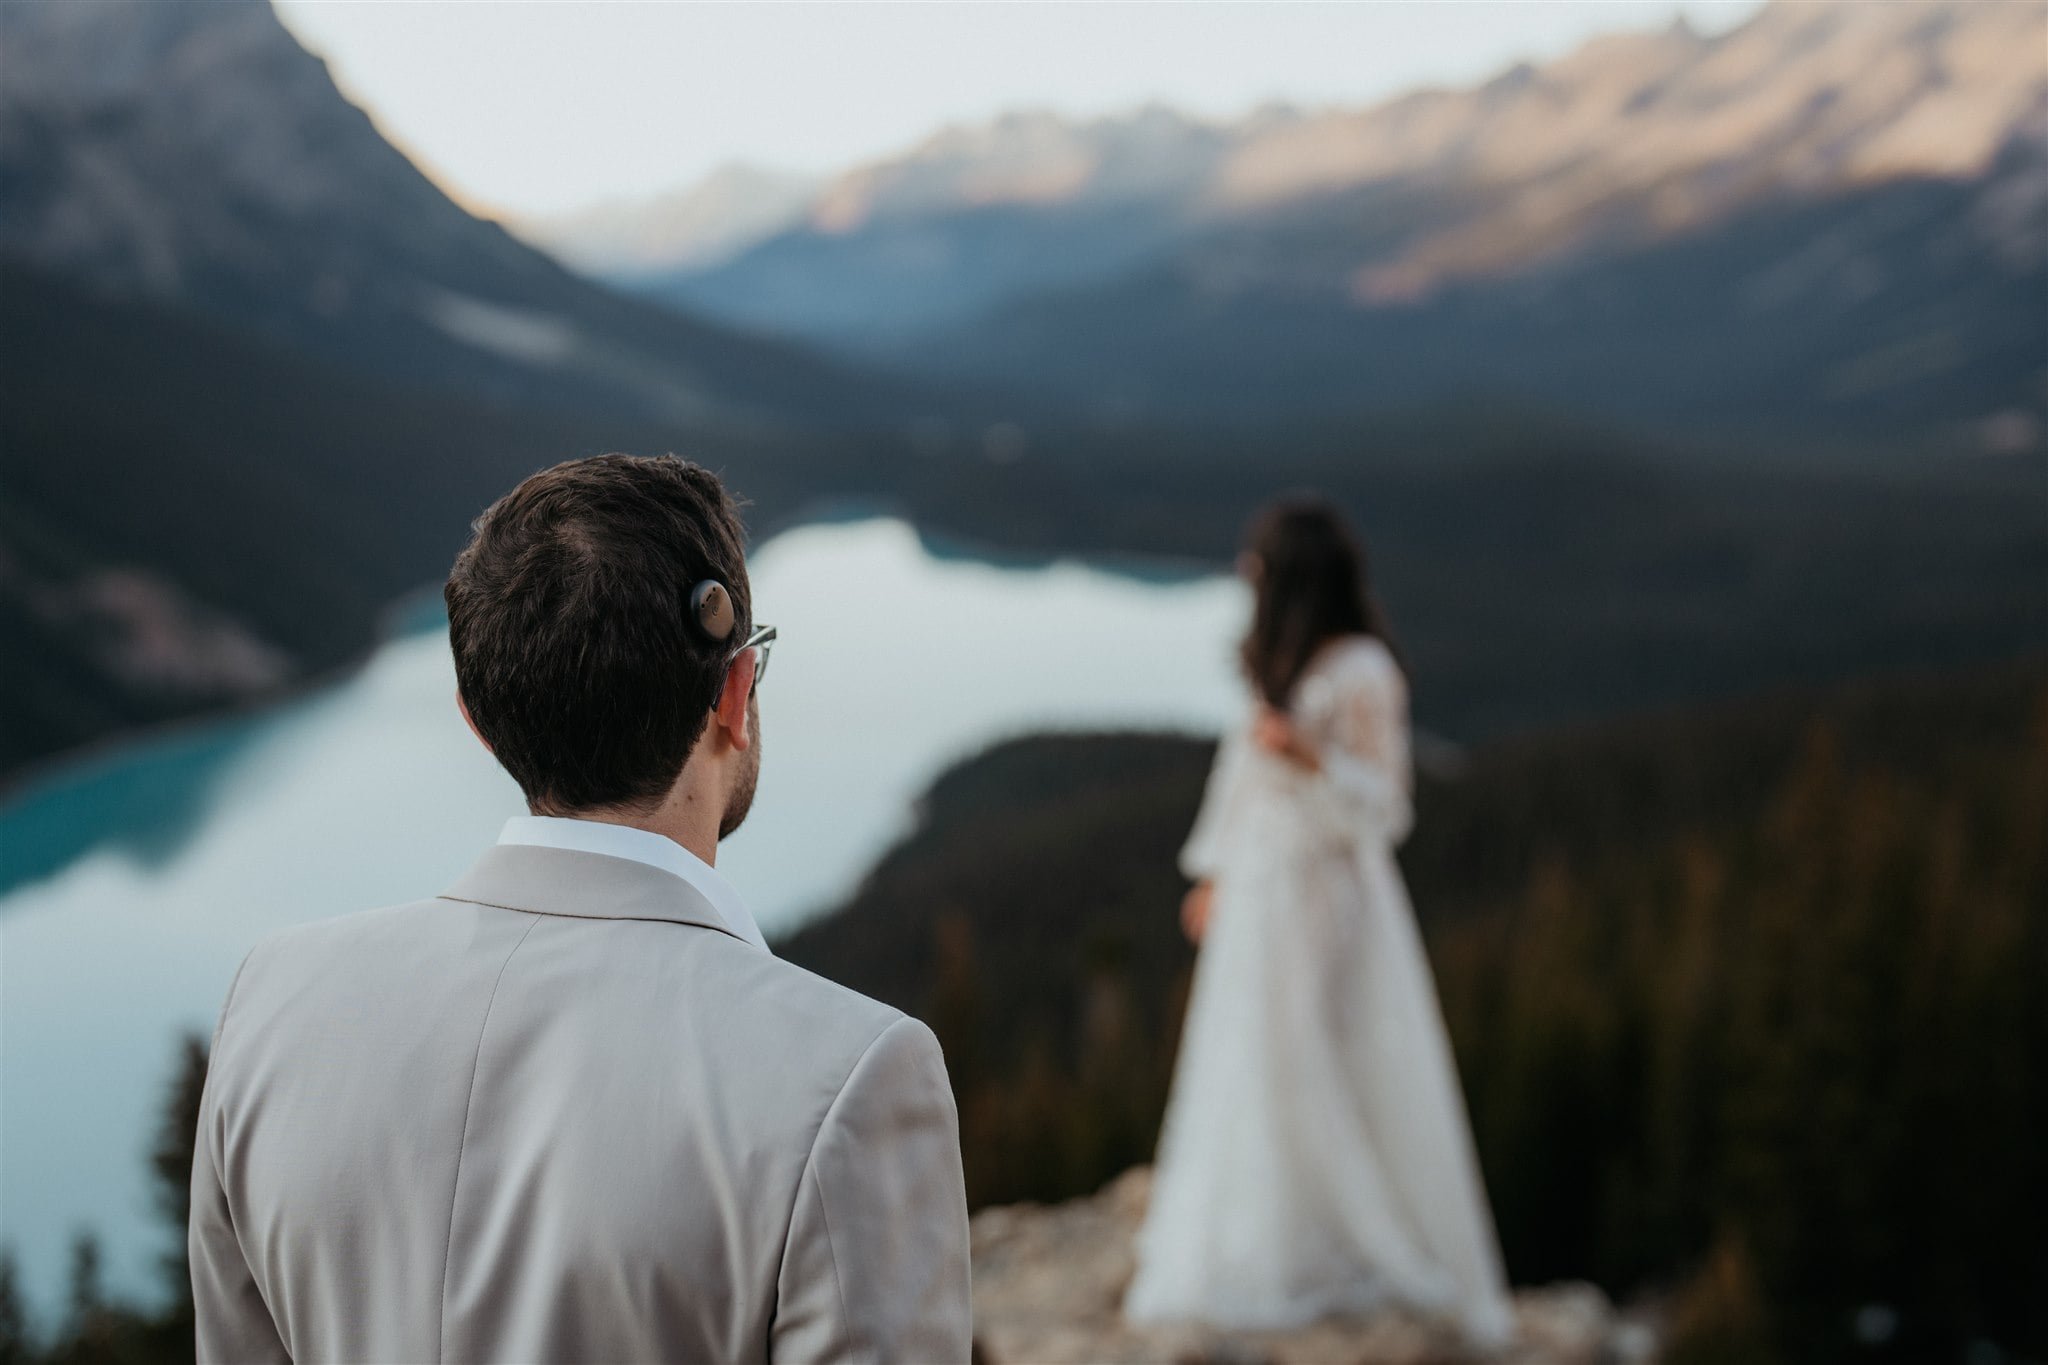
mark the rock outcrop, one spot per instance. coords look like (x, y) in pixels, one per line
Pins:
(1048, 1281)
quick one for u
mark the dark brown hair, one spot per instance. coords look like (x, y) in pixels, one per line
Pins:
(569, 616)
(1311, 588)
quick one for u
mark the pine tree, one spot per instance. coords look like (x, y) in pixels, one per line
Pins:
(15, 1346)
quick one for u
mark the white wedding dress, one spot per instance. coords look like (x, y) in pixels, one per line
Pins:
(1315, 1157)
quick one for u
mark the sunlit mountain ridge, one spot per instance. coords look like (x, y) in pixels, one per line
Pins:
(1807, 169)
(1803, 96)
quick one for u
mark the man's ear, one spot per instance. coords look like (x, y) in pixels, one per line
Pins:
(730, 715)
(463, 707)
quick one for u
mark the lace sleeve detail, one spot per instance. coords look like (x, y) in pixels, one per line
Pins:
(1202, 853)
(1358, 717)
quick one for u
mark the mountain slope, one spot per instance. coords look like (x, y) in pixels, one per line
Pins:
(191, 152)
(1884, 310)
(176, 497)
(191, 517)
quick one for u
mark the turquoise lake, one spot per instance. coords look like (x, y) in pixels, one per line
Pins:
(132, 882)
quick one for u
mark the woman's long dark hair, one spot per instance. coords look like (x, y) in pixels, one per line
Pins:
(1311, 588)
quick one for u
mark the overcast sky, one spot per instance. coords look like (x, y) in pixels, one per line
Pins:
(538, 108)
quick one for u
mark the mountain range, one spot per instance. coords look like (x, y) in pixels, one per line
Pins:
(698, 226)
(261, 372)
(1833, 216)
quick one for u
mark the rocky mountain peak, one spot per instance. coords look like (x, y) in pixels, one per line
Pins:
(153, 144)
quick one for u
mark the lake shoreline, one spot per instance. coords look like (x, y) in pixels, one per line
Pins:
(394, 621)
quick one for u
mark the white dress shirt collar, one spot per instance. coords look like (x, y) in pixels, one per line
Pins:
(641, 846)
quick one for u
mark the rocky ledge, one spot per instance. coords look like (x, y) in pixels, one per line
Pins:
(1047, 1282)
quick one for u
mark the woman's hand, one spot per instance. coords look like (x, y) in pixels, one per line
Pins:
(1275, 733)
(1194, 910)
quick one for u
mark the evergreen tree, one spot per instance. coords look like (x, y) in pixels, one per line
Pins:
(15, 1345)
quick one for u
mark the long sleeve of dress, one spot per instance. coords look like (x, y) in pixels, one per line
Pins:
(1221, 797)
(1357, 716)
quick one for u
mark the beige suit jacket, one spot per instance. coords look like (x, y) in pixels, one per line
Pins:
(561, 1113)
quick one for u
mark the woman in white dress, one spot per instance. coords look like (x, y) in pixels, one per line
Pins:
(1315, 1157)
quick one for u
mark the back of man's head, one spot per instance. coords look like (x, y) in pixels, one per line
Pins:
(570, 617)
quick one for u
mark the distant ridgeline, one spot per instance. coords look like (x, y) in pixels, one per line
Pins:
(1748, 1001)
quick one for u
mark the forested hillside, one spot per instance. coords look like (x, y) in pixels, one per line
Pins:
(1748, 1001)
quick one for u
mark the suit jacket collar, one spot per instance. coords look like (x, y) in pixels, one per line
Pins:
(579, 885)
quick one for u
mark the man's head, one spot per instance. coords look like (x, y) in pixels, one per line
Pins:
(577, 654)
